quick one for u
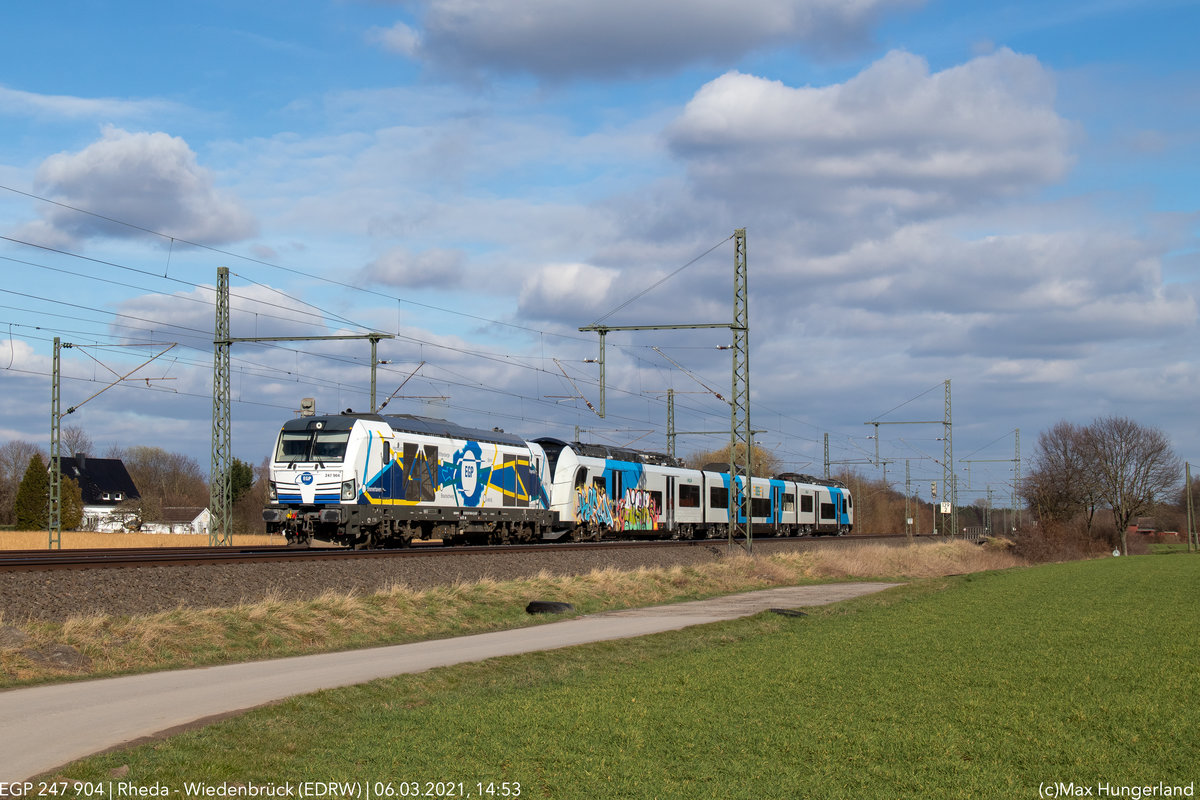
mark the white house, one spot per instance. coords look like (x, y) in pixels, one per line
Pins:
(179, 520)
(105, 485)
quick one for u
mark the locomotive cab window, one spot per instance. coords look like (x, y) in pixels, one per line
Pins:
(330, 445)
(316, 445)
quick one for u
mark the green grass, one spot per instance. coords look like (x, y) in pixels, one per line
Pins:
(984, 686)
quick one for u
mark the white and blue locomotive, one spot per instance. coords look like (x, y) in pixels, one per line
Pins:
(370, 480)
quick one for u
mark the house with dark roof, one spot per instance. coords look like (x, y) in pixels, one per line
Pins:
(105, 484)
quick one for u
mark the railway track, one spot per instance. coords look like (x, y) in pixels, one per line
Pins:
(102, 558)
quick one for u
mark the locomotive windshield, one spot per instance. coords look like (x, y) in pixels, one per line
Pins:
(315, 445)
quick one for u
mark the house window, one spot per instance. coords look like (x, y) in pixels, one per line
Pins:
(106, 496)
(119, 496)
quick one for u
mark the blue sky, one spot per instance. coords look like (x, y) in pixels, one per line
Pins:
(999, 194)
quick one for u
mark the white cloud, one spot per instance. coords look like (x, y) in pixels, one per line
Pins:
(437, 268)
(148, 180)
(582, 288)
(894, 140)
(399, 38)
(14, 102)
(187, 317)
(555, 40)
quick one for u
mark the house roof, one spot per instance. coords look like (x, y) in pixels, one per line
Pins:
(176, 514)
(99, 476)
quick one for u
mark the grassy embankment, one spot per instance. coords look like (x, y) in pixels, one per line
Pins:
(274, 628)
(985, 685)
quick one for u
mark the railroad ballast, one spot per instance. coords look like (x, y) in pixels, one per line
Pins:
(371, 480)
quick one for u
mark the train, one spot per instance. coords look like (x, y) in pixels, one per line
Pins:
(367, 480)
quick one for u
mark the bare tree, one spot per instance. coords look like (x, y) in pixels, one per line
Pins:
(763, 462)
(1061, 485)
(165, 479)
(73, 439)
(14, 458)
(1135, 467)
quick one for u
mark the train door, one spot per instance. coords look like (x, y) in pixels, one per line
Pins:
(616, 490)
(669, 511)
(776, 505)
(534, 489)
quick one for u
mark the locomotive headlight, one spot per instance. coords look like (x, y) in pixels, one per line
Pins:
(272, 494)
(349, 490)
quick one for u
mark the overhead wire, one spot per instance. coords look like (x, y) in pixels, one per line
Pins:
(507, 359)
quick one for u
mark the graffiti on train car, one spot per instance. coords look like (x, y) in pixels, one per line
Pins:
(637, 510)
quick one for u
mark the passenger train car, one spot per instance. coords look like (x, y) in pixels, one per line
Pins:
(366, 480)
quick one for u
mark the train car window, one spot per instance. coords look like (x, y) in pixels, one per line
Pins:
(553, 451)
(789, 502)
(828, 511)
(718, 497)
(806, 503)
(657, 499)
(689, 496)
(760, 507)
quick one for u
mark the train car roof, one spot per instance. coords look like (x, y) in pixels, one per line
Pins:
(613, 453)
(803, 478)
(408, 423)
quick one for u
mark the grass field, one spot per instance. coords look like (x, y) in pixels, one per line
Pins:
(990, 685)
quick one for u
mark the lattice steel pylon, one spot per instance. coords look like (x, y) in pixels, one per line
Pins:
(220, 505)
(739, 430)
(739, 402)
(54, 523)
(671, 423)
(220, 485)
(949, 479)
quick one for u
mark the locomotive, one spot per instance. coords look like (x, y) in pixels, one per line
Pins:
(370, 480)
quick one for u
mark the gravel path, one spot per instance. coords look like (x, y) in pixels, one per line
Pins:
(59, 594)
